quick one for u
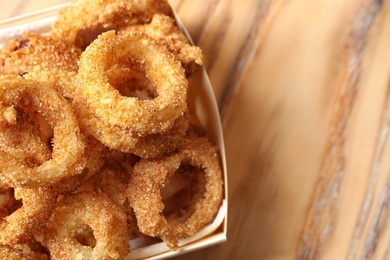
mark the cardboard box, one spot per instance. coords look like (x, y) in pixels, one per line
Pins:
(201, 100)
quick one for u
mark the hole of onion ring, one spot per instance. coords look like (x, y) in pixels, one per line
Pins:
(186, 185)
(85, 236)
(24, 43)
(85, 37)
(8, 203)
(47, 131)
(129, 79)
(23, 139)
(35, 244)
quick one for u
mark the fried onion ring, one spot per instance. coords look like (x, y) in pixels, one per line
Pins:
(164, 30)
(160, 66)
(67, 159)
(42, 58)
(81, 211)
(19, 226)
(150, 176)
(103, 15)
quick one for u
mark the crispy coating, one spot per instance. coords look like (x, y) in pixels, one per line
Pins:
(113, 137)
(112, 179)
(88, 210)
(103, 15)
(158, 145)
(145, 146)
(42, 58)
(68, 148)
(94, 155)
(9, 253)
(150, 176)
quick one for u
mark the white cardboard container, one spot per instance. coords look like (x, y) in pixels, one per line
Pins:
(201, 100)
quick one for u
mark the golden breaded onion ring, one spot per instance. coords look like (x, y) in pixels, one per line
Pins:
(164, 30)
(160, 66)
(95, 210)
(42, 58)
(19, 226)
(103, 15)
(29, 95)
(151, 175)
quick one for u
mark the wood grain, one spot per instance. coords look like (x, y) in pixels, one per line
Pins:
(304, 93)
(321, 214)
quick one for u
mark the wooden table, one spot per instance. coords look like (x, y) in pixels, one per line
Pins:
(303, 89)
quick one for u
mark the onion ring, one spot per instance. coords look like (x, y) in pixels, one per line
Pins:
(68, 148)
(164, 30)
(77, 212)
(19, 226)
(150, 176)
(162, 69)
(44, 59)
(103, 15)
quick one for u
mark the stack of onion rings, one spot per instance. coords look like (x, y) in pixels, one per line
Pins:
(94, 122)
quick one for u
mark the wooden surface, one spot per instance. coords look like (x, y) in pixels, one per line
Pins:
(303, 89)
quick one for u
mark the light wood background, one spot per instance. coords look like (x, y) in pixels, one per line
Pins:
(304, 92)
